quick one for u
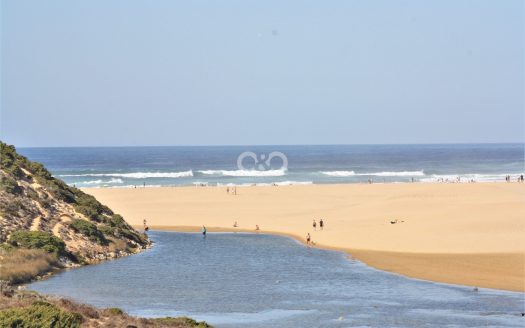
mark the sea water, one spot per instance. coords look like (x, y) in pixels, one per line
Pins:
(168, 166)
(256, 280)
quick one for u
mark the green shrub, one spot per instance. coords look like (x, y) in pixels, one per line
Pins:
(90, 207)
(38, 240)
(114, 311)
(11, 208)
(170, 321)
(9, 185)
(39, 314)
(8, 157)
(89, 230)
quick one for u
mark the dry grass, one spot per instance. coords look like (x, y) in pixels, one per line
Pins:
(21, 265)
(21, 306)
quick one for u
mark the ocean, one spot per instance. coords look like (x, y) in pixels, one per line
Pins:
(279, 165)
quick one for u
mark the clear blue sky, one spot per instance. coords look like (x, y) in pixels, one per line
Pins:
(99, 73)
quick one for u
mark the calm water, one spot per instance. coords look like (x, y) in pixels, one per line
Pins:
(250, 280)
(155, 166)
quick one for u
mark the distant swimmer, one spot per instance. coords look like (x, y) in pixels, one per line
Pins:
(321, 224)
(314, 224)
(308, 239)
(203, 231)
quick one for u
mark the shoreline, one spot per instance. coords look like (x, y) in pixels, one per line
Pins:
(466, 234)
(393, 262)
(295, 183)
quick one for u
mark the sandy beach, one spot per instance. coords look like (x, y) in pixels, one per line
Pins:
(469, 234)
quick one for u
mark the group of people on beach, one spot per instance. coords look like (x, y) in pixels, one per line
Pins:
(508, 178)
(314, 225)
(321, 224)
(231, 191)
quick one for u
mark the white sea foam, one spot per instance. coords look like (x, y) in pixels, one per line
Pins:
(496, 177)
(397, 174)
(339, 173)
(136, 175)
(379, 174)
(97, 182)
(245, 173)
(265, 184)
(293, 183)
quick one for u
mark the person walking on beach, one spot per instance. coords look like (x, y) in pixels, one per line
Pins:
(203, 231)
(314, 225)
(321, 224)
(308, 238)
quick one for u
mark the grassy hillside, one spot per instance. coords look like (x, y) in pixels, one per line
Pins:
(46, 223)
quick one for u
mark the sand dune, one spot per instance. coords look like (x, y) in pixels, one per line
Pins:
(472, 234)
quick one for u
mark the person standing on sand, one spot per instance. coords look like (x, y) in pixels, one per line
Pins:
(203, 231)
(308, 239)
(257, 227)
(321, 224)
(314, 225)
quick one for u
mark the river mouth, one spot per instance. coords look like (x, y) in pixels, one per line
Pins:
(258, 280)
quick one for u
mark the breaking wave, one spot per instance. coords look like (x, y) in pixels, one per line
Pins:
(244, 173)
(96, 182)
(136, 175)
(378, 174)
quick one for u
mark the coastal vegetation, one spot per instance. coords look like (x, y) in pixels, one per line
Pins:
(29, 309)
(20, 265)
(37, 240)
(47, 225)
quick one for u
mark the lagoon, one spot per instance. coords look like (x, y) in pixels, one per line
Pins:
(258, 280)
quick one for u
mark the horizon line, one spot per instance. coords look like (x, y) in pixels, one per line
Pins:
(281, 145)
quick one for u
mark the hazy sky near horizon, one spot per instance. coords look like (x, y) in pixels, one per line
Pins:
(101, 73)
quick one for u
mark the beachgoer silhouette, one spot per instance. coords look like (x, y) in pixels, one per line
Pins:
(235, 224)
(314, 225)
(203, 231)
(257, 227)
(321, 224)
(308, 239)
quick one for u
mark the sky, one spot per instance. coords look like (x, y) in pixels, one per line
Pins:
(138, 73)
